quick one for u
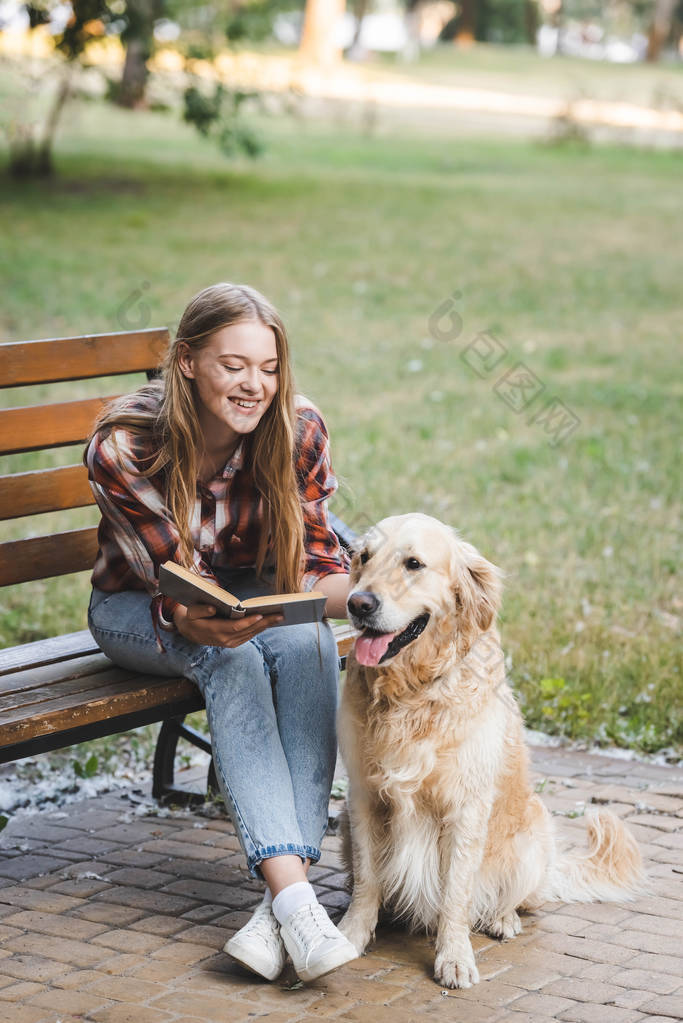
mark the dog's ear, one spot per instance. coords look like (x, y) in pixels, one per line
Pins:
(478, 590)
(488, 582)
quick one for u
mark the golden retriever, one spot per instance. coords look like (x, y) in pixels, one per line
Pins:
(446, 829)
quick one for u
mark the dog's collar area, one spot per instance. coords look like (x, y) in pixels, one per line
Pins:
(410, 633)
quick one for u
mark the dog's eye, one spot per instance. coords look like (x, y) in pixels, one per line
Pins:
(364, 557)
(413, 564)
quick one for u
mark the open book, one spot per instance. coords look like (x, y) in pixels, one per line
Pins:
(189, 588)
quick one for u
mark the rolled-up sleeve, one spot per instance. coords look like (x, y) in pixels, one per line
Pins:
(323, 552)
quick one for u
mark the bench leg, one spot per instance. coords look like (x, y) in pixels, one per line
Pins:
(163, 780)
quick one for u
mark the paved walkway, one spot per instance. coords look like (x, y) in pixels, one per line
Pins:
(115, 917)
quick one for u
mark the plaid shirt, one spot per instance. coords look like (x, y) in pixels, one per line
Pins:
(136, 533)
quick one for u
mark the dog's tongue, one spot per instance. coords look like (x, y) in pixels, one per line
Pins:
(370, 650)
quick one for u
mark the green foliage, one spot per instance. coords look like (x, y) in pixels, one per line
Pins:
(564, 710)
(88, 768)
(3, 821)
(219, 115)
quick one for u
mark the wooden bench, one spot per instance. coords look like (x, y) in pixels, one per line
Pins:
(63, 690)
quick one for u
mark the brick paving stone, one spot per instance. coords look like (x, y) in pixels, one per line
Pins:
(205, 934)
(87, 845)
(139, 877)
(644, 980)
(597, 912)
(106, 913)
(38, 827)
(204, 914)
(588, 1012)
(542, 1005)
(22, 1014)
(120, 963)
(352, 987)
(81, 887)
(396, 1014)
(672, 841)
(25, 867)
(162, 925)
(182, 953)
(587, 948)
(188, 852)
(223, 894)
(666, 1005)
(639, 941)
(129, 1014)
(21, 990)
(581, 990)
(77, 980)
(150, 902)
(658, 821)
(30, 967)
(133, 942)
(530, 977)
(75, 1002)
(152, 969)
(657, 963)
(126, 989)
(650, 904)
(76, 953)
(7, 931)
(52, 923)
(135, 857)
(211, 1007)
(630, 999)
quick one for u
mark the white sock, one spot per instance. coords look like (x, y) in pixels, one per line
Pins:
(268, 897)
(291, 898)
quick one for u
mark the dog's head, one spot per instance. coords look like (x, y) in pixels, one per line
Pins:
(414, 581)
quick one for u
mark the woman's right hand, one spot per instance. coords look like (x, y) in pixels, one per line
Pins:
(199, 624)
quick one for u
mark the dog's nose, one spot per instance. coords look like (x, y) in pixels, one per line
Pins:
(362, 603)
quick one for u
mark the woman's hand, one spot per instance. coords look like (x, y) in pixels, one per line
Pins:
(199, 624)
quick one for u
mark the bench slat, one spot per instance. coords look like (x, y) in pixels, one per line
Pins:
(46, 490)
(48, 651)
(117, 699)
(77, 358)
(19, 683)
(42, 698)
(41, 557)
(39, 427)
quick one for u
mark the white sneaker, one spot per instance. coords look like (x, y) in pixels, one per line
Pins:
(258, 945)
(314, 943)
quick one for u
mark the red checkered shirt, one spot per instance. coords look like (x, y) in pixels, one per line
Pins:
(137, 534)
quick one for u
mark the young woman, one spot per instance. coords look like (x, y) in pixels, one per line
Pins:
(220, 468)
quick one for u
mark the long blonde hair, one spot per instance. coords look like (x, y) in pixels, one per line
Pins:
(172, 420)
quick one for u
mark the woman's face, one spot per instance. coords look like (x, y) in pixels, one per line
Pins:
(236, 376)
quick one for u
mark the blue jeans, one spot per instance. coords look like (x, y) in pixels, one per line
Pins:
(270, 704)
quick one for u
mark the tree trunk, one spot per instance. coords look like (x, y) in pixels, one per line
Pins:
(138, 39)
(660, 28)
(44, 156)
(467, 28)
(131, 90)
(318, 43)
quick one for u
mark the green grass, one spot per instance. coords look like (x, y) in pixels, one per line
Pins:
(570, 255)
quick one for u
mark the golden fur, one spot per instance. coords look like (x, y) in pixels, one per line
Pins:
(446, 829)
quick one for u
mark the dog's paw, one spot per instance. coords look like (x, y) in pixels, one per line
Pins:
(505, 927)
(353, 929)
(456, 971)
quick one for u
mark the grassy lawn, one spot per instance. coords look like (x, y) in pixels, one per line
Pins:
(570, 256)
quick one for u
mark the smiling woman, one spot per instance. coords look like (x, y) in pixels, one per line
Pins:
(222, 469)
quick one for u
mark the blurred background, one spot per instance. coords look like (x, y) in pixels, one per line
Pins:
(469, 215)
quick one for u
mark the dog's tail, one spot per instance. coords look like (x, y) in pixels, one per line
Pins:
(609, 870)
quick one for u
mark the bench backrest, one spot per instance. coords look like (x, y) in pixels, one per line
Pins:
(40, 427)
